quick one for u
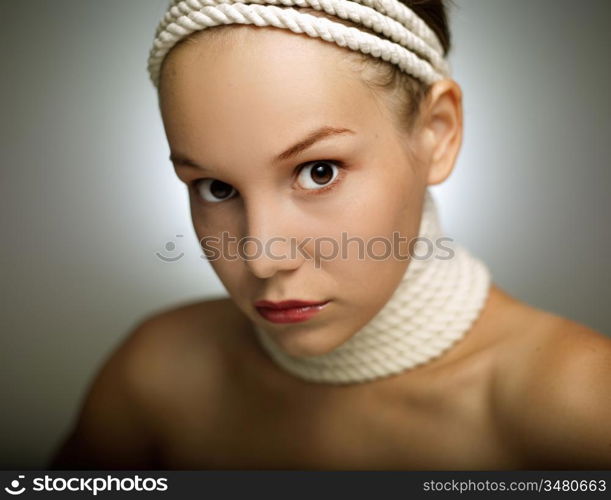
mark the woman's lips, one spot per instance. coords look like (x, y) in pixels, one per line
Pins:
(288, 311)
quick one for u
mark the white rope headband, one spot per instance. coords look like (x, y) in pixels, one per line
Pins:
(412, 45)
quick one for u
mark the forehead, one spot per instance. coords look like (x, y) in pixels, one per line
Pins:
(258, 84)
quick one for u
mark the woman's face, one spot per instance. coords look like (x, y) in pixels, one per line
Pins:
(230, 108)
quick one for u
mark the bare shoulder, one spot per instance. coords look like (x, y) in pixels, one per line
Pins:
(186, 340)
(198, 328)
(551, 393)
(126, 406)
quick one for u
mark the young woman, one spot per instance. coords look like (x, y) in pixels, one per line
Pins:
(355, 336)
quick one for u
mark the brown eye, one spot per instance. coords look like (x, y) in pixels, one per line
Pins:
(317, 174)
(213, 190)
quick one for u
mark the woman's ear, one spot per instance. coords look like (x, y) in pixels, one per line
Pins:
(441, 126)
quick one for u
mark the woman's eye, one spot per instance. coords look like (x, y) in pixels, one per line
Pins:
(213, 190)
(317, 175)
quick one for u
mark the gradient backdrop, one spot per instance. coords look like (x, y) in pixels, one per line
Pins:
(88, 195)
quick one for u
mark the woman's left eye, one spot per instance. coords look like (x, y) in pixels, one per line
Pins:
(318, 174)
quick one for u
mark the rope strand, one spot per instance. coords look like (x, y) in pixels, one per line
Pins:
(410, 43)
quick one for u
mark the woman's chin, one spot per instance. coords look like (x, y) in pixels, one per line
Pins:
(308, 343)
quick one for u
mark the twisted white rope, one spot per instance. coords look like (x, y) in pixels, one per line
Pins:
(433, 307)
(390, 8)
(412, 45)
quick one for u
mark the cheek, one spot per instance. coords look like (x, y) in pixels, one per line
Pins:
(383, 200)
(231, 275)
(386, 203)
(362, 288)
(372, 220)
(212, 222)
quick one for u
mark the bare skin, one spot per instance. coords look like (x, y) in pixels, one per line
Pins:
(191, 389)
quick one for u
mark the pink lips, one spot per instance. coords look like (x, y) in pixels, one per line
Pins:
(288, 311)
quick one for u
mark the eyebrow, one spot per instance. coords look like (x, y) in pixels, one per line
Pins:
(312, 138)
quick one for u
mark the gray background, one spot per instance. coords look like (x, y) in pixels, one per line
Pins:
(88, 196)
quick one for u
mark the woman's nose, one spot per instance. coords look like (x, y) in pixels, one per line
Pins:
(268, 247)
